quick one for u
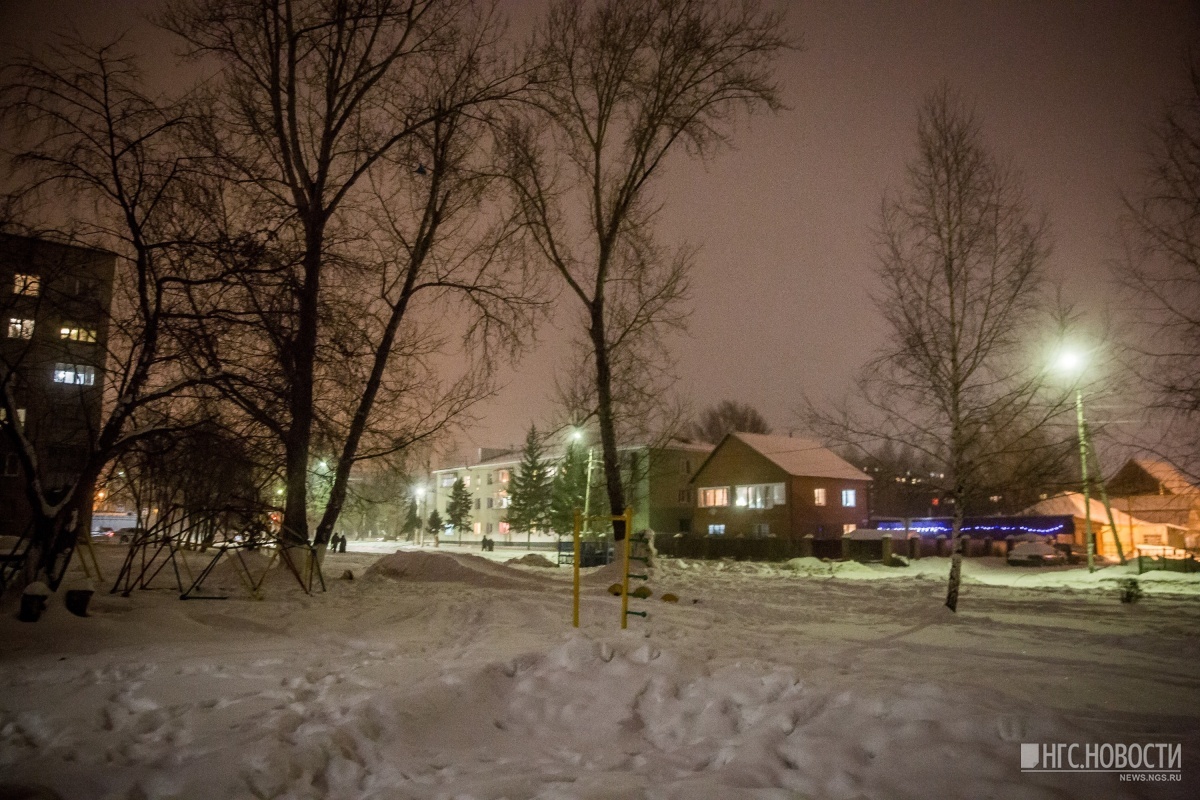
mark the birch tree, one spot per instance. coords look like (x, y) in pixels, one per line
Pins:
(962, 285)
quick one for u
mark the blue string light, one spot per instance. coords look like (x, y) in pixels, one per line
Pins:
(996, 527)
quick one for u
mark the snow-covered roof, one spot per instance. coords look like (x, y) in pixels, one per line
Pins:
(1070, 504)
(1170, 478)
(802, 457)
(512, 457)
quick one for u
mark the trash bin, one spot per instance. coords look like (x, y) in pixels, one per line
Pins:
(77, 601)
(33, 602)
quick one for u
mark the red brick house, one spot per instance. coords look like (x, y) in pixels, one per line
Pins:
(756, 486)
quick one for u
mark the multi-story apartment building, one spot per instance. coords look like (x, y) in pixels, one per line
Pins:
(54, 301)
(657, 477)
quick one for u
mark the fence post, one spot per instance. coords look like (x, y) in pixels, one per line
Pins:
(886, 540)
(845, 547)
(940, 544)
(914, 546)
(806, 546)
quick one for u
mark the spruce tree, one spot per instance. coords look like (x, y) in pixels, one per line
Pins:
(458, 509)
(568, 490)
(529, 506)
(435, 525)
(412, 522)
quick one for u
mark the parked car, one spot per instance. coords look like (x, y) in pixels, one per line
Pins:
(1034, 554)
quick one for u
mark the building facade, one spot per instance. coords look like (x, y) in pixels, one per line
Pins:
(656, 477)
(1156, 492)
(758, 486)
(54, 302)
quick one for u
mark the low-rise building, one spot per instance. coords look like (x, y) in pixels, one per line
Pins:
(657, 479)
(757, 486)
(1156, 492)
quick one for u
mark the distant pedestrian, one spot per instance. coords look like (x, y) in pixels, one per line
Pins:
(342, 544)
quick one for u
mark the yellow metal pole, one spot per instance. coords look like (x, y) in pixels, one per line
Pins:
(625, 575)
(575, 617)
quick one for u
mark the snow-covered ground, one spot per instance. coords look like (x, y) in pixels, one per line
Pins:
(439, 674)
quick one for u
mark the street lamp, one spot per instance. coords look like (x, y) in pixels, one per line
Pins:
(1071, 363)
(419, 494)
(577, 435)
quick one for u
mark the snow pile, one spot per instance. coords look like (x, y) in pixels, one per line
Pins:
(429, 683)
(532, 560)
(472, 570)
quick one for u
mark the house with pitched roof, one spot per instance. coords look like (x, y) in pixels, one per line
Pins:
(753, 485)
(1156, 492)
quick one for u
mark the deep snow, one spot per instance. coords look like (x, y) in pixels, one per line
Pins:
(439, 674)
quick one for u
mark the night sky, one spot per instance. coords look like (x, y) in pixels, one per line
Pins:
(1066, 92)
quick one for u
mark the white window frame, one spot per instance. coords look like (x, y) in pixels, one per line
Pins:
(713, 497)
(819, 498)
(716, 529)
(74, 374)
(20, 328)
(852, 496)
(759, 495)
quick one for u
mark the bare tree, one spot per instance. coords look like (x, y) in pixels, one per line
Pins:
(962, 286)
(623, 84)
(726, 417)
(90, 145)
(1162, 270)
(325, 114)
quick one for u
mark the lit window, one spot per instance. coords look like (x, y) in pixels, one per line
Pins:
(447, 481)
(20, 414)
(28, 285)
(760, 495)
(714, 496)
(504, 476)
(716, 530)
(78, 374)
(849, 497)
(466, 481)
(20, 328)
(818, 497)
(502, 502)
(504, 528)
(76, 334)
(849, 527)
(478, 526)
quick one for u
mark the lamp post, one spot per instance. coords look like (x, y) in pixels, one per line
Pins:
(419, 495)
(1072, 363)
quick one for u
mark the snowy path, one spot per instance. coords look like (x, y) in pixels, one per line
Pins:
(464, 680)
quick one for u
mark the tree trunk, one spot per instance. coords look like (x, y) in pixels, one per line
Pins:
(295, 514)
(956, 555)
(608, 435)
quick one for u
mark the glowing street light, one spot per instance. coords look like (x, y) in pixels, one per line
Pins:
(1072, 363)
